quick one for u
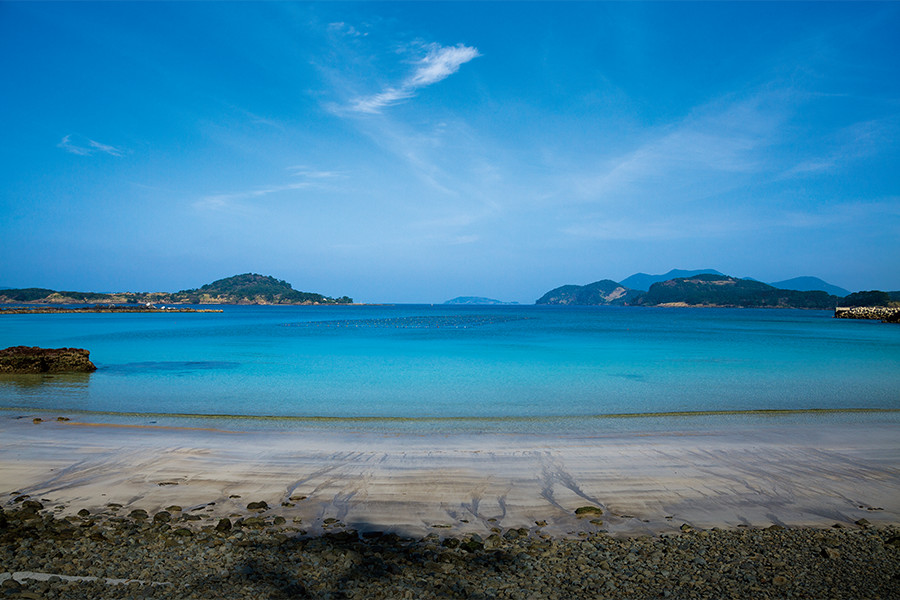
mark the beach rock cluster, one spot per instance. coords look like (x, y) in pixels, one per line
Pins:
(27, 359)
(878, 313)
(176, 553)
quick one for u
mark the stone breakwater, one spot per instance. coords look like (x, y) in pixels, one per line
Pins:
(177, 553)
(878, 313)
(25, 359)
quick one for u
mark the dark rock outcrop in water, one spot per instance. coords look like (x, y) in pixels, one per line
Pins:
(26, 359)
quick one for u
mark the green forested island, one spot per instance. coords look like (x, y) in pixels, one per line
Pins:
(249, 288)
(722, 290)
(705, 288)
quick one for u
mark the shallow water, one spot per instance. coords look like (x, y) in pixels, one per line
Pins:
(471, 368)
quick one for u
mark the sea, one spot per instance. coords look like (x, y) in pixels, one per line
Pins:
(424, 369)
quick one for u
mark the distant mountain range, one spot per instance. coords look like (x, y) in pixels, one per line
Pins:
(708, 287)
(809, 284)
(642, 281)
(476, 300)
(249, 288)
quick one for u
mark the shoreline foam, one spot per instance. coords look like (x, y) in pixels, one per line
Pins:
(557, 425)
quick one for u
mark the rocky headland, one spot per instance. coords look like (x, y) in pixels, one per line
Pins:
(33, 360)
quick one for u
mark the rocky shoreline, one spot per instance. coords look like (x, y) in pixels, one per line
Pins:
(878, 313)
(100, 308)
(179, 553)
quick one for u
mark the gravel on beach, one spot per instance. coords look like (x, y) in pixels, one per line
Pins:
(175, 554)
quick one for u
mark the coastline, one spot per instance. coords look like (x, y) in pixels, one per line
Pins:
(52, 310)
(95, 510)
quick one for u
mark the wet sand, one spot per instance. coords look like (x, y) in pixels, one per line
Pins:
(644, 483)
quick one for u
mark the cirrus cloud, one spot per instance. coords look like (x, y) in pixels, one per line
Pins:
(83, 146)
(437, 65)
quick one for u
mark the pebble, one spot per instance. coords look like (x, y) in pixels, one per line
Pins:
(259, 557)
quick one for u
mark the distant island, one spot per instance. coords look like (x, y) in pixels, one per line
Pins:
(710, 288)
(606, 291)
(725, 291)
(249, 288)
(476, 300)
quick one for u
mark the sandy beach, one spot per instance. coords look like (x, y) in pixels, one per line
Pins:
(109, 511)
(412, 485)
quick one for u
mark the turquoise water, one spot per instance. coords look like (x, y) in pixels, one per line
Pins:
(509, 367)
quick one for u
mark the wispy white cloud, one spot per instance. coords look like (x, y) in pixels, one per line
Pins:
(82, 146)
(312, 179)
(711, 150)
(439, 63)
(231, 199)
(883, 211)
(664, 228)
(849, 144)
(423, 149)
(727, 221)
(811, 166)
(312, 173)
(346, 29)
(464, 239)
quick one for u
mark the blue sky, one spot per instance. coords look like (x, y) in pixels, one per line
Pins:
(413, 152)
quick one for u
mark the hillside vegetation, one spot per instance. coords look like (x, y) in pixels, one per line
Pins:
(643, 281)
(702, 289)
(722, 290)
(249, 288)
(606, 291)
(871, 298)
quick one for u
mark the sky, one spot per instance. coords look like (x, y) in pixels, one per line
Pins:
(418, 151)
